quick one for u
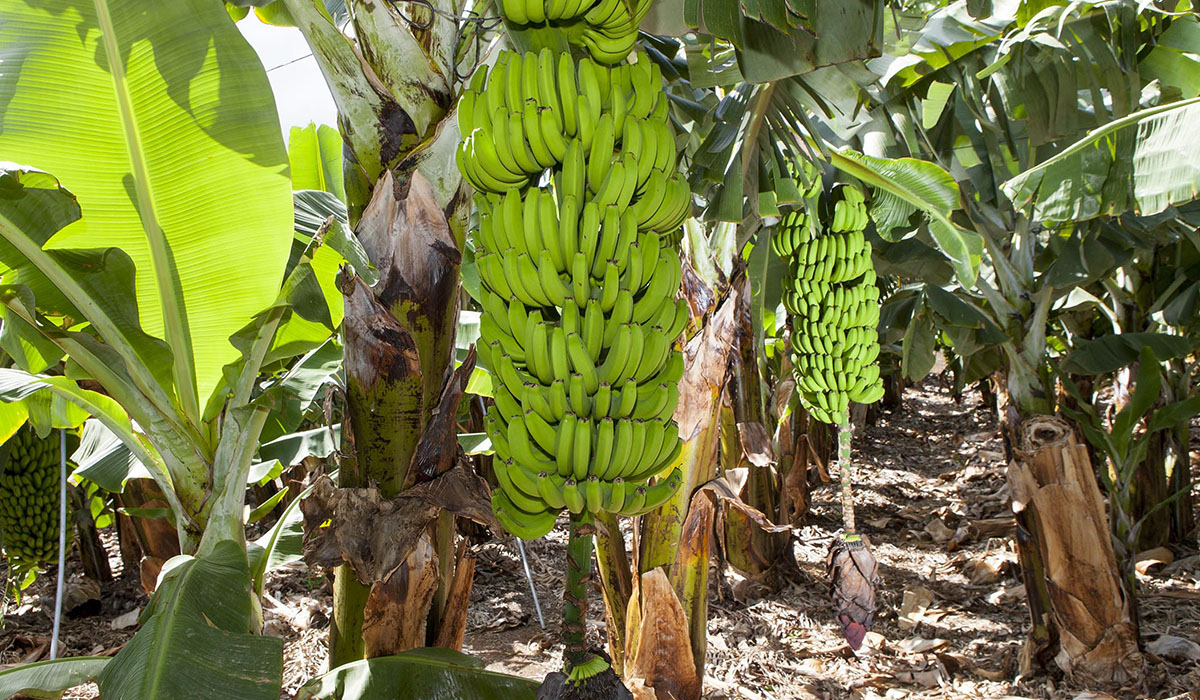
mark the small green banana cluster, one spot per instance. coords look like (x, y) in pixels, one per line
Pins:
(29, 488)
(793, 228)
(834, 305)
(607, 29)
(575, 169)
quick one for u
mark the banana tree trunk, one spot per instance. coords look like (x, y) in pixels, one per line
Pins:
(1148, 487)
(666, 638)
(1081, 613)
(616, 583)
(399, 339)
(1178, 463)
(748, 548)
(394, 86)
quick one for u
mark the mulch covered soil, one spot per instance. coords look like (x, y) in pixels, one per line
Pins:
(933, 501)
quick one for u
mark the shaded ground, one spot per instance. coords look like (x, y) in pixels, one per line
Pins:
(929, 480)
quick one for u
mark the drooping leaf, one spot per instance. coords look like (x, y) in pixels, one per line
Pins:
(16, 385)
(147, 87)
(48, 679)
(195, 640)
(1175, 59)
(96, 285)
(1108, 353)
(29, 348)
(918, 352)
(104, 459)
(920, 185)
(421, 674)
(1144, 162)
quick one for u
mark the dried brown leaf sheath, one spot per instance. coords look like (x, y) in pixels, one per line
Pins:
(853, 575)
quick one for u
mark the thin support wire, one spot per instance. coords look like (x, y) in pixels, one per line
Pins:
(529, 577)
(62, 539)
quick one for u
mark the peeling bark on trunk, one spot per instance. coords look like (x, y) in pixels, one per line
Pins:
(1056, 496)
(399, 340)
(389, 622)
(666, 664)
(458, 599)
(706, 357)
(748, 548)
(1042, 640)
(689, 575)
(676, 537)
(794, 460)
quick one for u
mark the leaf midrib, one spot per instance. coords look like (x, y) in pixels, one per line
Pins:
(173, 311)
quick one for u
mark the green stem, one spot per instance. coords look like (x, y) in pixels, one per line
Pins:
(579, 576)
(846, 471)
(345, 629)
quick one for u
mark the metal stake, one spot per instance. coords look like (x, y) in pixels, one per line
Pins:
(529, 577)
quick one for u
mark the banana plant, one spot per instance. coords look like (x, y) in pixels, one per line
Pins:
(1124, 441)
(995, 110)
(394, 72)
(156, 260)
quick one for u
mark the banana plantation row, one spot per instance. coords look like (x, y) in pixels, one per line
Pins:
(558, 257)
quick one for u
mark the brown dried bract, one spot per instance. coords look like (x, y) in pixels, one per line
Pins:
(375, 535)
(853, 575)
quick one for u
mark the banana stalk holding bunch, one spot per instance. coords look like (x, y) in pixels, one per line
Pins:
(29, 491)
(575, 168)
(834, 305)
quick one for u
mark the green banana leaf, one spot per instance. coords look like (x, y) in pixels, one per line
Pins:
(104, 459)
(315, 153)
(1145, 162)
(421, 674)
(159, 119)
(281, 545)
(1109, 353)
(49, 679)
(907, 185)
(195, 640)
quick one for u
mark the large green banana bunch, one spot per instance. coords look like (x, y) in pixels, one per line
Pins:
(607, 29)
(29, 500)
(575, 168)
(834, 305)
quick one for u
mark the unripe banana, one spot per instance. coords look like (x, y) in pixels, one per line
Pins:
(580, 310)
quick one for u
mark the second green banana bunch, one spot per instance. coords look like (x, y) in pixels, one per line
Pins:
(575, 169)
(834, 304)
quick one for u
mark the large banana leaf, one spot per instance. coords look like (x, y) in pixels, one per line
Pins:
(153, 118)
(48, 679)
(779, 38)
(421, 674)
(195, 640)
(1145, 162)
(906, 185)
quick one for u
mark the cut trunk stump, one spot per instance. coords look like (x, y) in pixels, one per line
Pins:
(1059, 507)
